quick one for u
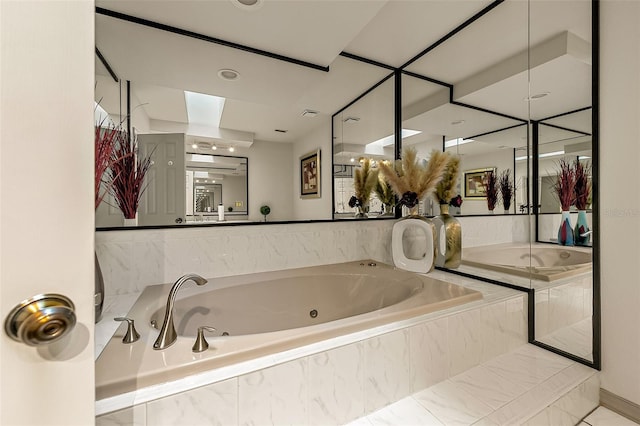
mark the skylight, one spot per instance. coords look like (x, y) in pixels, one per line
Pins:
(204, 109)
(376, 147)
(457, 142)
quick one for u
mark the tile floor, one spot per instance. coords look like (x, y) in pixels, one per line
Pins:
(605, 417)
(529, 386)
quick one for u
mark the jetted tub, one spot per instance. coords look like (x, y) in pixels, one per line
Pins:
(265, 315)
(543, 262)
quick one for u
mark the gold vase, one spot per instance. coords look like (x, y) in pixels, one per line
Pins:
(449, 239)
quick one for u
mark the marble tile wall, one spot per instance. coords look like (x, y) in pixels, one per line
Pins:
(563, 305)
(346, 383)
(131, 260)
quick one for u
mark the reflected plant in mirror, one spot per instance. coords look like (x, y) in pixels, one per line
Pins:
(412, 180)
(491, 188)
(582, 189)
(506, 189)
(127, 177)
(364, 182)
(385, 195)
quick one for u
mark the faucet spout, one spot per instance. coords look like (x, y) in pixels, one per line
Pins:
(168, 334)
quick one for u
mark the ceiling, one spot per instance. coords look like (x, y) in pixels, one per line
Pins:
(487, 62)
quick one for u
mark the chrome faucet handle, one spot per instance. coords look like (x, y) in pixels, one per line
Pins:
(132, 334)
(201, 343)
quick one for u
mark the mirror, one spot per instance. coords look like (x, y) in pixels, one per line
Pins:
(562, 129)
(501, 92)
(363, 131)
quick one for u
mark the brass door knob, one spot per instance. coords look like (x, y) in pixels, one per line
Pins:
(41, 320)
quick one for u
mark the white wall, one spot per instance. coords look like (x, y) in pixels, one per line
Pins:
(620, 197)
(270, 179)
(314, 208)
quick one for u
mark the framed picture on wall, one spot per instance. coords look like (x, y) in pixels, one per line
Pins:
(310, 175)
(474, 182)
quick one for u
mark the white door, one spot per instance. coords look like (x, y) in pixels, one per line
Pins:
(164, 200)
(46, 203)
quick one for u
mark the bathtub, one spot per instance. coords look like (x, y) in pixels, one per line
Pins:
(543, 262)
(266, 315)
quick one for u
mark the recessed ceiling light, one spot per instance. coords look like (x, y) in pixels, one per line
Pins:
(353, 160)
(457, 122)
(231, 149)
(309, 113)
(281, 131)
(228, 74)
(351, 120)
(248, 4)
(214, 147)
(194, 145)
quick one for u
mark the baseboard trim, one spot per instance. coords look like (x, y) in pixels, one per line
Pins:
(622, 406)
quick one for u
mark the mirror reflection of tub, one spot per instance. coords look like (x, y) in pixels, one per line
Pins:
(563, 283)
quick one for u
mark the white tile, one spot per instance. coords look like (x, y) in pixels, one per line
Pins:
(582, 399)
(134, 416)
(604, 417)
(516, 322)
(215, 404)
(493, 330)
(362, 421)
(528, 365)
(276, 395)
(465, 341)
(429, 354)
(451, 405)
(552, 416)
(386, 369)
(533, 401)
(490, 388)
(336, 385)
(407, 412)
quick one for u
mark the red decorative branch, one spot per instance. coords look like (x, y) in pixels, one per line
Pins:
(106, 140)
(565, 185)
(491, 185)
(582, 189)
(506, 188)
(127, 176)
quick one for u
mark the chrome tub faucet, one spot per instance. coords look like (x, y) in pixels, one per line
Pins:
(168, 334)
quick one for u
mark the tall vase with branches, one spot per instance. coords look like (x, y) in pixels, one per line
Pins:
(506, 189)
(582, 191)
(364, 182)
(411, 180)
(448, 228)
(106, 138)
(564, 187)
(127, 176)
(413, 238)
(491, 187)
(385, 195)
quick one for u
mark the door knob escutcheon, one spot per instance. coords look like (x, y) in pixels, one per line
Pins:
(41, 320)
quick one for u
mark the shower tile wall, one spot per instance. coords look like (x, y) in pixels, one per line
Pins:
(131, 260)
(343, 384)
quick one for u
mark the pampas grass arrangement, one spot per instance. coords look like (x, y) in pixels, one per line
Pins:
(446, 188)
(384, 192)
(564, 187)
(491, 186)
(506, 188)
(412, 180)
(365, 180)
(582, 189)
